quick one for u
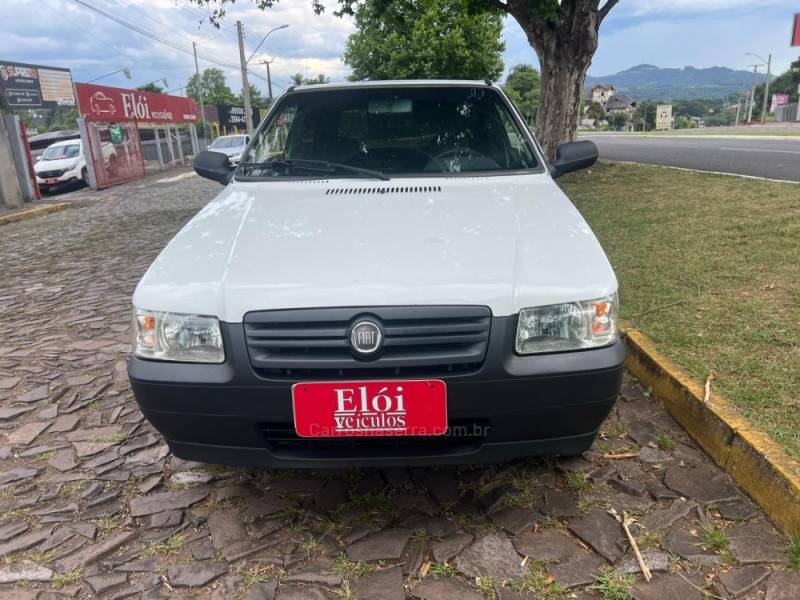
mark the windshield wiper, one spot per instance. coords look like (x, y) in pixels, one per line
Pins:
(318, 166)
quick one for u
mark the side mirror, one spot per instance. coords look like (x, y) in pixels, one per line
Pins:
(214, 166)
(574, 156)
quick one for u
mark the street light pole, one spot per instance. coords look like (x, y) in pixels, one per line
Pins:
(124, 70)
(248, 112)
(200, 91)
(752, 95)
(264, 39)
(766, 90)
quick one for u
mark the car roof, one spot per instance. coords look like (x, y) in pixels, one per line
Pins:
(394, 83)
(71, 142)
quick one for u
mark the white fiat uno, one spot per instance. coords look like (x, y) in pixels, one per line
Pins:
(391, 276)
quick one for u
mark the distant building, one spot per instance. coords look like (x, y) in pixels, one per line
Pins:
(620, 103)
(611, 102)
(599, 93)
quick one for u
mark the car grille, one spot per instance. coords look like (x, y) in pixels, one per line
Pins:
(420, 341)
(462, 436)
(48, 174)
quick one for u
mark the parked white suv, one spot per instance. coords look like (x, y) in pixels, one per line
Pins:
(64, 163)
(390, 276)
(60, 163)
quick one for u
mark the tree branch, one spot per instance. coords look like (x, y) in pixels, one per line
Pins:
(601, 14)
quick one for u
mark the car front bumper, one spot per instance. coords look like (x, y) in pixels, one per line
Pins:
(68, 177)
(512, 406)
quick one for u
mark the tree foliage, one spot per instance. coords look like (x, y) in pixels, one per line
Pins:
(257, 100)
(424, 39)
(785, 83)
(619, 121)
(151, 87)
(523, 87)
(564, 34)
(212, 83)
(645, 116)
(596, 112)
(300, 79)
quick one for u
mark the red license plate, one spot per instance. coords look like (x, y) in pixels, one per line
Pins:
(370, 408)
(51, 180)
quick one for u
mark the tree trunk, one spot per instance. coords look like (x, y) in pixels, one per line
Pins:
(565, 44)
(559, 107)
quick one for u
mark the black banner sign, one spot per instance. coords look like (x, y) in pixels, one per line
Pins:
(35, 86)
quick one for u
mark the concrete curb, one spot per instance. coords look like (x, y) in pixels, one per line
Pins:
(32, 213)
(752, 458)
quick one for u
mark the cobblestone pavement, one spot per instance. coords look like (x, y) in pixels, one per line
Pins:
(92, 503)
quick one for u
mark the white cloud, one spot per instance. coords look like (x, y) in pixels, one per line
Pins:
(62, 33)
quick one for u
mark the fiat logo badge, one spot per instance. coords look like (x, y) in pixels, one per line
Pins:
(366, 337)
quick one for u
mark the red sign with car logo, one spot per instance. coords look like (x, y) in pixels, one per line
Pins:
(105, 103)
(370, 408)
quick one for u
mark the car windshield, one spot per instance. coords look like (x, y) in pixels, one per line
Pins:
(59, 152)
(390, 131)
(228, 142)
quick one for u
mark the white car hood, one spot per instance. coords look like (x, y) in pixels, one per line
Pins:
(55, 165)
(228, 151)
(504, 242)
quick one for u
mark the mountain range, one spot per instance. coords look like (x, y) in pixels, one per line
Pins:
(649, 82)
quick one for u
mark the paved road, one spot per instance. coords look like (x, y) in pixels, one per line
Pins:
(773, 159)
(93, 504)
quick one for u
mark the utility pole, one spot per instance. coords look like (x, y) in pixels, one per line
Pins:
(752, 95)
(267, 63)
(766, 90)
(200, 91)
(248, 111)
(738, 108)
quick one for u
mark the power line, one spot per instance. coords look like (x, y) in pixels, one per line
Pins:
(198, 13)
(82, 28)
(151, 35)
(126, 4)
(158, 38)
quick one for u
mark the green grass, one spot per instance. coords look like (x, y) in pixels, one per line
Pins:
(172, 545)
(793, 552)
(714, 539)
(708, 268)
(578, 482)
(664, 442)
(443, 570)
(649, 540)
(486, 587)
(349, 569)
(613, 586)
(62, 580)
(539, 584)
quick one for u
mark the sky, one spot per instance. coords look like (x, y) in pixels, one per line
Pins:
(674, 33)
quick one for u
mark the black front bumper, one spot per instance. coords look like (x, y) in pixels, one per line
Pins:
(512, 406)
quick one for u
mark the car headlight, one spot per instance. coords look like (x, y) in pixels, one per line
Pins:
(570, 326)
(177, 337)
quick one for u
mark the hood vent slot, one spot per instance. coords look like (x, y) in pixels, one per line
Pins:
(400, 189)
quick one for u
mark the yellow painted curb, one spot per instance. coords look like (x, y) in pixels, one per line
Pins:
(752, 458)
(32, 212)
